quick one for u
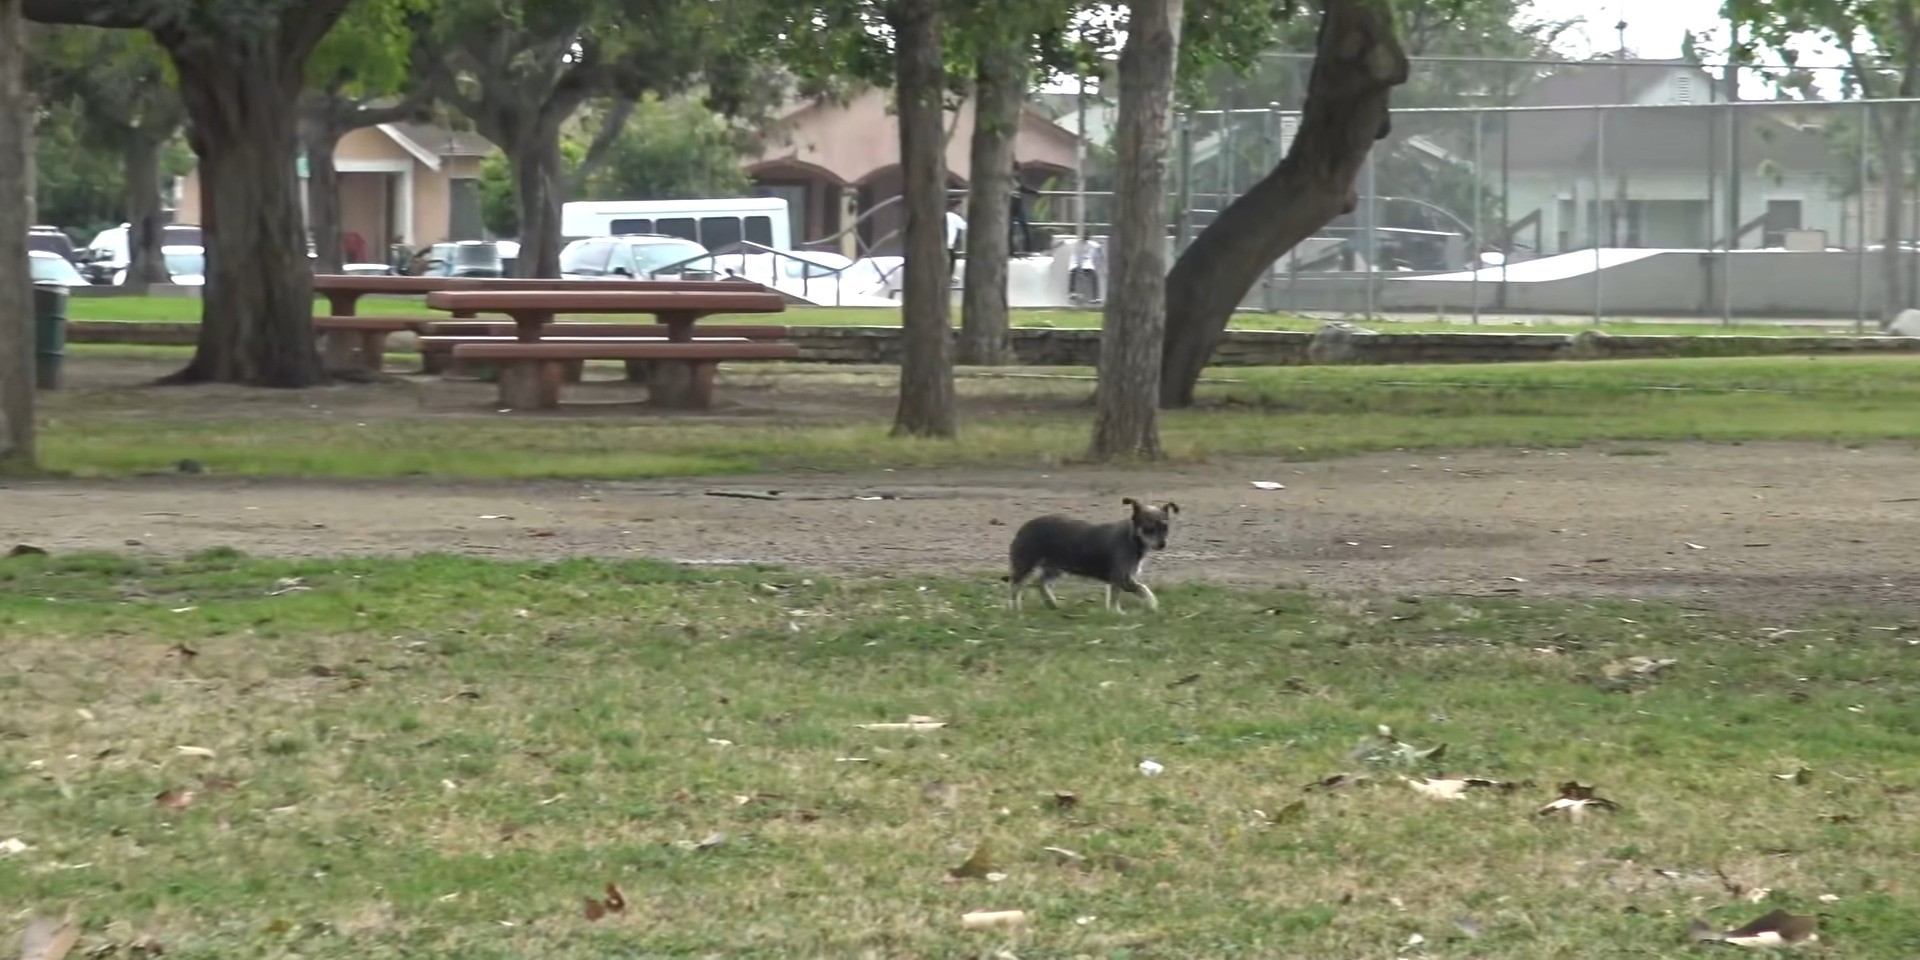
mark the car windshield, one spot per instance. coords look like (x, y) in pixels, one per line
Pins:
(183, 234)
(586, 258)
(652, 256)
(186, 264)
(55, 269)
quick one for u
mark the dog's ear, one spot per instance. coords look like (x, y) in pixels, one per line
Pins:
(1131, 502)
(1170, 507)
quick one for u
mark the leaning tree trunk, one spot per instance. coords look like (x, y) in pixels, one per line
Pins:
(1357, 62)
(1127, 422)
(1895, 134)
(256, 323)
(141, 161)
(16, 292)
(317, 140)
(536, 179)
(926, 366)
(999, 91)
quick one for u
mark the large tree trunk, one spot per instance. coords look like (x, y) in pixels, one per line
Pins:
(1127, 422)
(141, 162)
(926, 367)
(1357, 62)
(16, 291)
(317, 140)
(256, 324)
(999, 91)
(536, 180)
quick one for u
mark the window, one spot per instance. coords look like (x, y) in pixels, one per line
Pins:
(652, 256)
(682, 227)
(627, 228)
(620, 261)
(463, 209)
(1782, 216)
(760, 230)
(586, 259)
(718, 232)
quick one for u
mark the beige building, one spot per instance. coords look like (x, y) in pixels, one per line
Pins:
(407, 183)
(833, 162)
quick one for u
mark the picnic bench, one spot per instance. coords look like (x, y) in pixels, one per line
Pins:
(437, 339)
(679, 370)
(343, 291)
(360, 343)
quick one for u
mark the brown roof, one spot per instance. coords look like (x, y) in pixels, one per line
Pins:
(445, 141)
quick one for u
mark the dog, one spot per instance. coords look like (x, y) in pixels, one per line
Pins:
(1112, 553)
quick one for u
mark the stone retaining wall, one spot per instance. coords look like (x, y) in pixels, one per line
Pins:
(1037, 346)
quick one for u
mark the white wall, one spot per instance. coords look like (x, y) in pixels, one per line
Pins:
(1819, 208)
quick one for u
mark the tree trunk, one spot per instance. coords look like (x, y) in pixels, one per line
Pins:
(1896, 133)
(317, 140)
(16, 290)
(926, 366)
(536, 180)
(999, 91)
(256, 323)
(1357, 62)
(141, 160)
(1127, 421)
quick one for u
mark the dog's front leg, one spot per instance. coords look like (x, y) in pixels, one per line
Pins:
(1153, 603)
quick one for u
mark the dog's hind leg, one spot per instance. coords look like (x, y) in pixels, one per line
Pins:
(1113, 599)
(1047, 577)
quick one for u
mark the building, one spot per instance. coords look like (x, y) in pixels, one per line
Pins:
(407, 183)
(1656, 177)
(837, 162)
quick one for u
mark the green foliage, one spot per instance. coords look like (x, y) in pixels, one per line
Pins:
(367, 53)
(670, 149)
(79, 184)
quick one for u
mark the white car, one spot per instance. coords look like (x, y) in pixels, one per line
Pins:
(48, 267)
(627, 257)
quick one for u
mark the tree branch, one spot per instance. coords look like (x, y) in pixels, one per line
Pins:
(120, 15)
(612, 125)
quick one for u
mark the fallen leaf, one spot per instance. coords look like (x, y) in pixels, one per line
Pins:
(910, 725)
(1152, 768)
(1183, 681)
(47, 939)
(194, 752)
(993, 918)
(1289, 813)
(181, 651)
(13, 845)
(1695, 546)
(1800, 776)
(1576, 801)
(1776, 929)
(977, 865)
(710, 841)
(614, 903)
(1065, 799)
(1268, 485)
(178, 798)
(1064, 855)
(1332, 781)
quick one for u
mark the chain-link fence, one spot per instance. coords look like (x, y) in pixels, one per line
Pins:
(1597, 189)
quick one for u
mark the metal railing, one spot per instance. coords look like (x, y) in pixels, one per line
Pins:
(809, 269)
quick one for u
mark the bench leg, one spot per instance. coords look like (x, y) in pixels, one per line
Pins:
(531, 384)
(435, 361)
(682, 384)
(576, 370)
(637, 370)
(337, 349)
(373, 350)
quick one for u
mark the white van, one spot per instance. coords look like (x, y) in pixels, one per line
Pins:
(714, 224)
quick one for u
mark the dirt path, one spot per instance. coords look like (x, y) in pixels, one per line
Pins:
(1776, 524)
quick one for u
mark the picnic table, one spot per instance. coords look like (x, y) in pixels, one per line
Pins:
(681, 369)
(343, 291)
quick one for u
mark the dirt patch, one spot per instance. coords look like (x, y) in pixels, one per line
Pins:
(1758, 527)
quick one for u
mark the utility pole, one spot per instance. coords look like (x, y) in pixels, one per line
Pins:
(1732, 82)
(16, 288)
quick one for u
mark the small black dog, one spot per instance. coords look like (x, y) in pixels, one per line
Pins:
(1112, 553)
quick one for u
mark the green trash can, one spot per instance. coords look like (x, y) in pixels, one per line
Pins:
(49, 334)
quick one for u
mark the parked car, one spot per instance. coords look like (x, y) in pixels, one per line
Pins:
(106, 258)
(48, 267)
(186, 264)
(629, 257)
(52, 240)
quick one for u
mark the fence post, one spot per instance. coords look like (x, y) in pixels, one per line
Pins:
(1860, 225)
(1183, 188)
(1599, 191)
(1474, 249)
(1733, 216)
(1368, 242)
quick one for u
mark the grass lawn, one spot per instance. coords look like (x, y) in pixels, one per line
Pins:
(1297, 412)
(445, 757)
(187, 310)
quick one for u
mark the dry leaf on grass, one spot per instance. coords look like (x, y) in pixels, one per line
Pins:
(1152, 768)
(1287, 814)
(178, 798)
(1776, 929)
(1332, 781)
(1065, 799)
(1063, 855)
(13, 845)
(614, 903)
(48, 939)
(979, 865)
(1576, 801)
(180, 651)
(1454, 788)
(981, 919)
(186, 751)
(912, 724)
(1800, 776)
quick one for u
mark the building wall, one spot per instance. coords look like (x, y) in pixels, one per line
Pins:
(1820, 209)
